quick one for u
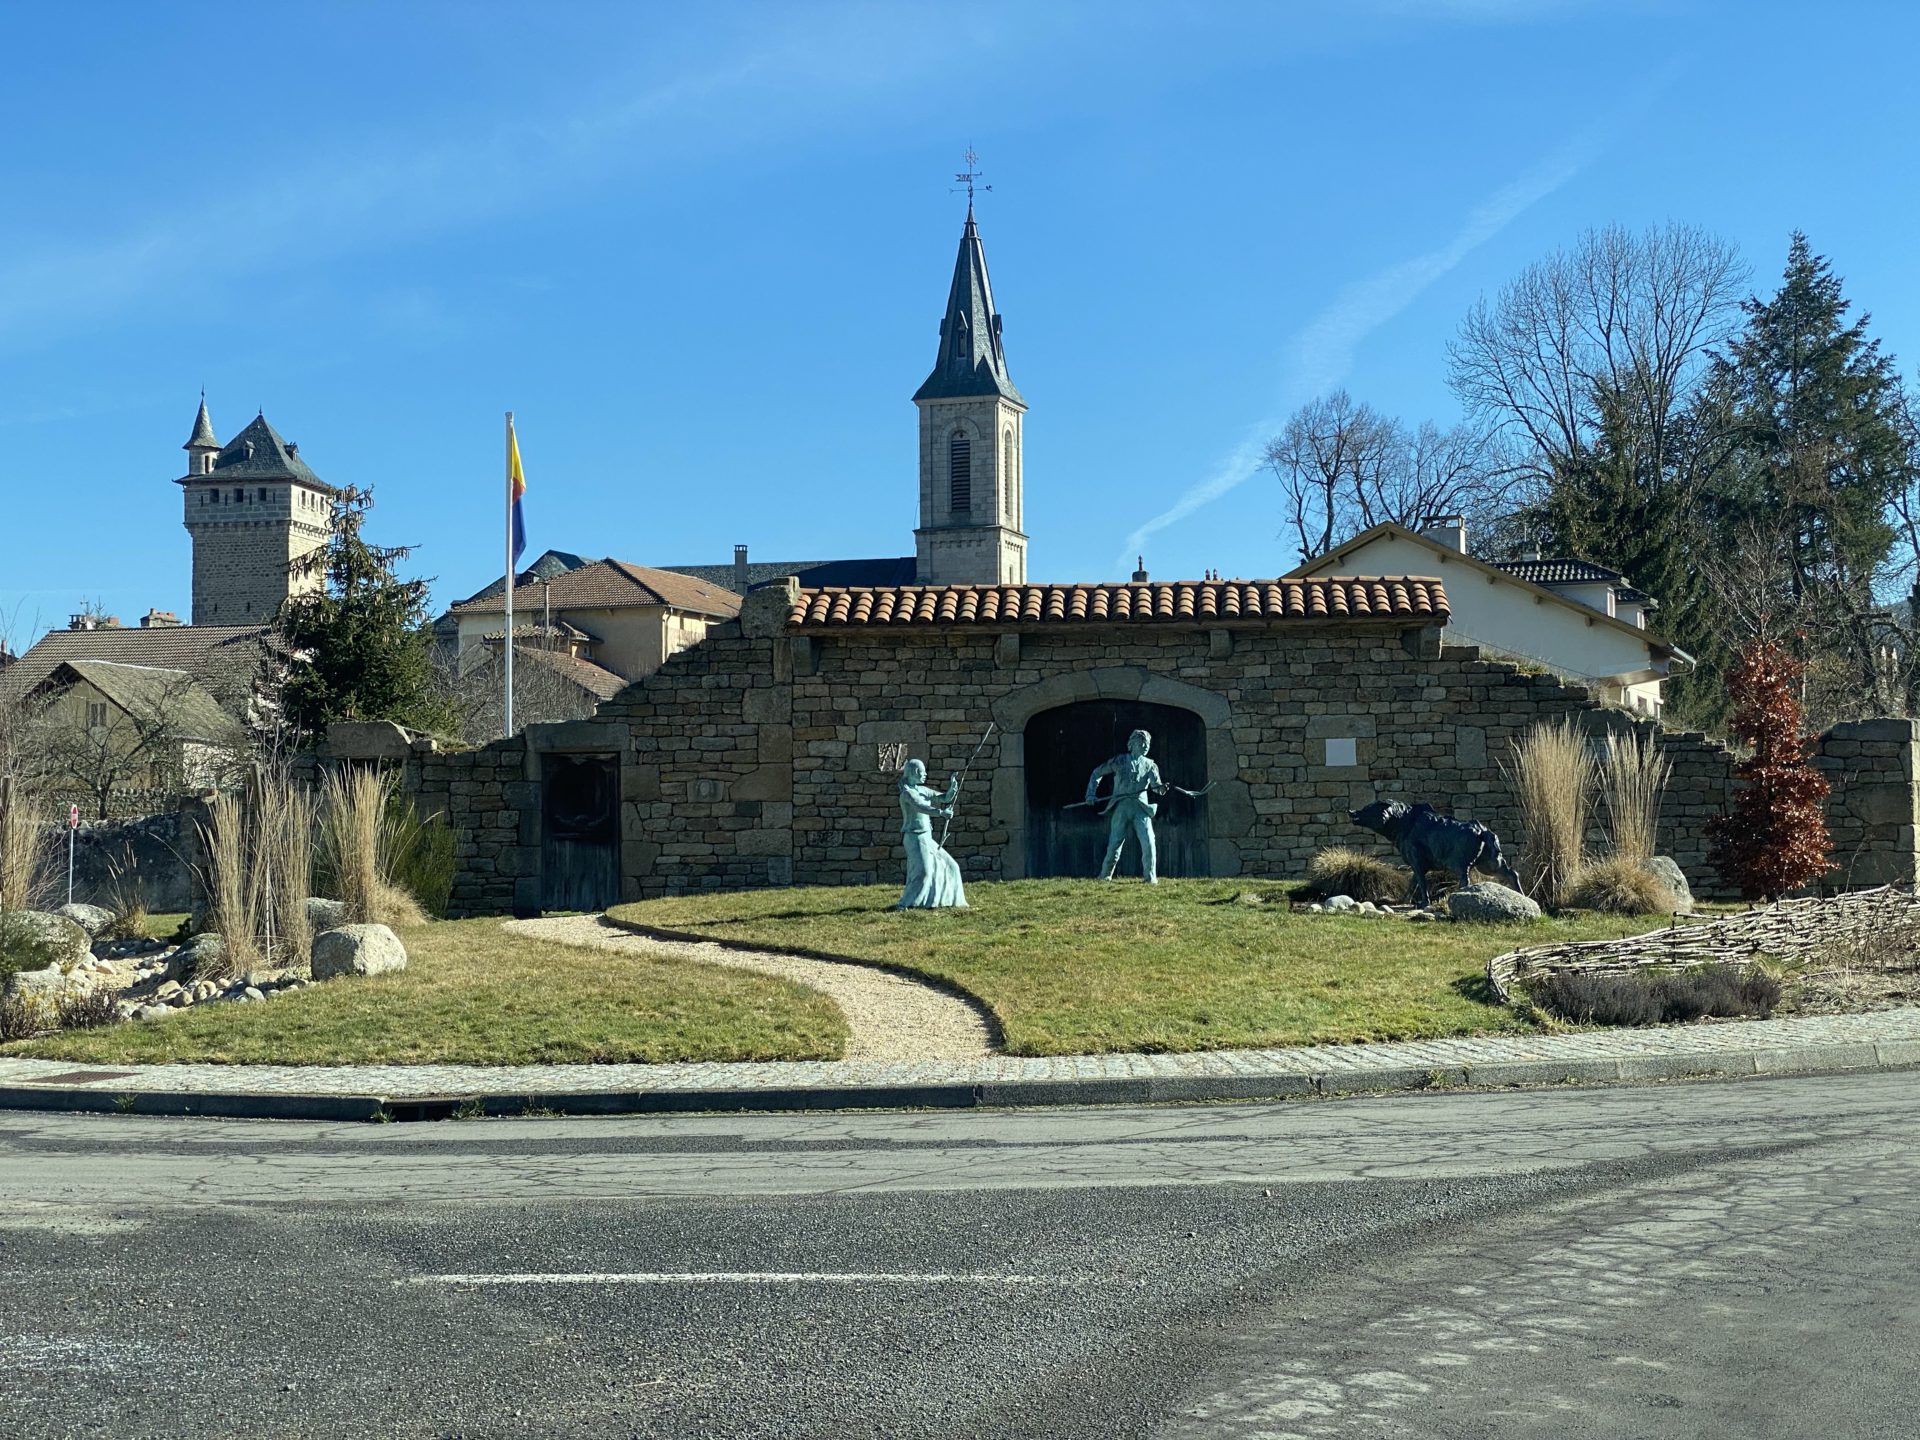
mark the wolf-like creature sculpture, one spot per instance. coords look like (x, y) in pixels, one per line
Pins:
(1428, 840)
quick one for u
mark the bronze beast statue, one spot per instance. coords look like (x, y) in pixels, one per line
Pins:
(1428, 840)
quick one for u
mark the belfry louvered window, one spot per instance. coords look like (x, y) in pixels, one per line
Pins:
(959, 472)
(1006, 476)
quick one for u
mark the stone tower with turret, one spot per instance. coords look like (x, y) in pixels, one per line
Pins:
(254, 510)
(972, 489)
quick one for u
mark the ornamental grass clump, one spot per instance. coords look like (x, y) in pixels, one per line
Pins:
(357, 842)
(228, 885)
(26, 847)
(1633, 781)
(1551, 774)
(1622, 886)
(1340, 870)
(1775, 838)
(257, 876)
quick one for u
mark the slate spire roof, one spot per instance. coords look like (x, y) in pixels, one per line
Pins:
(203, 437)
(258, 453)
(972, 360)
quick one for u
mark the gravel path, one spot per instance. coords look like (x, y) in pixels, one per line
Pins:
(889, 1017)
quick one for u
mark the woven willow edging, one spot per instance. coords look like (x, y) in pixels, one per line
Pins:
(1787, 930)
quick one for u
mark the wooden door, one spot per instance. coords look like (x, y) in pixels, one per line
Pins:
(580, 832)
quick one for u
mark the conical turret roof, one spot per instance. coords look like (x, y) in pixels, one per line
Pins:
(203, 437)
(972, 360)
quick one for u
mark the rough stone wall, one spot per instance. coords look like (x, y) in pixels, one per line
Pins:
(753, 759)
(242, 552)
(1871, 765)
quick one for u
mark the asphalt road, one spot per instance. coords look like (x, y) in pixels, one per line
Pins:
(1696, 1260)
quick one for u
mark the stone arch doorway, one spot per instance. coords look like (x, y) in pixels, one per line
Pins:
(1062, 747)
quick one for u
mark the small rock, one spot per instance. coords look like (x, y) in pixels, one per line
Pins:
(1422, 917)
(357, 950)
(253, 992)
(1316, 908)
(152, 1012)
(1342, 903)
(170, 989)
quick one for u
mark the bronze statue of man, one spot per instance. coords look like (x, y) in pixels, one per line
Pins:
(1136, 786)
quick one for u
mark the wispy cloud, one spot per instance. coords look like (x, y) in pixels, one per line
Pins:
(1321, 355)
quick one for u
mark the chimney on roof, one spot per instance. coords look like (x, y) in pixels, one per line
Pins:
(1140, 575)
(1447, 530)
(739, 569)
(158, 619)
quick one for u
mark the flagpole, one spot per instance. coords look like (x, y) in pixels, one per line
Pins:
(507, 640)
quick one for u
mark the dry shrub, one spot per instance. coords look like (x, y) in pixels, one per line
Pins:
(358, 843)
(258, 875)
(283, 866)
(27, 849)
(1671, 996)
(1551, 774)
(231, 894)
(351, 804)
(1622, 887)
(1341, 870)
(419, 854)
(126, 897)
(1633, 778)
(86, 1009)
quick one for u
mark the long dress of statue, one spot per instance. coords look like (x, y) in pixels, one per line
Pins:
(933, 876)
(1136, 780)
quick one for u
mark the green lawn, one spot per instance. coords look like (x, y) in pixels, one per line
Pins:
(474, 994)
(1080, 967)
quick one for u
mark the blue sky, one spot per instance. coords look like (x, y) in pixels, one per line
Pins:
(702, 251)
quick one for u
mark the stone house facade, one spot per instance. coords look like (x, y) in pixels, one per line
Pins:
(767, 754)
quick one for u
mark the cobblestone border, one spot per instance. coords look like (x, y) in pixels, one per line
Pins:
(1880, 1040)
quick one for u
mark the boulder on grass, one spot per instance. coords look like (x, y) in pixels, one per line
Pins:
(325, 914)
(357, 950)
(90, 918)
(1491, 904)
(1667, 871)
(204, 954)
(35, 939)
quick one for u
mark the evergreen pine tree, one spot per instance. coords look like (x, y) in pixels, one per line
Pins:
(1775, 838)
(1817, 454)
(358, 648)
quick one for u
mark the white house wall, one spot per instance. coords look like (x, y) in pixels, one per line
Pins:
(1505, 616)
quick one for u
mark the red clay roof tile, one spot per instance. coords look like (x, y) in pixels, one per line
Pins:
(1395, 599)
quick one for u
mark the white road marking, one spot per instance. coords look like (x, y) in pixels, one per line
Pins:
(737, 1277)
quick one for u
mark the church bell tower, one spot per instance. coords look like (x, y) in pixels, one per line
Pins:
(972, 491)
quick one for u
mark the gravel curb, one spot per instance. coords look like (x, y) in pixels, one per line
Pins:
(1276, 1084)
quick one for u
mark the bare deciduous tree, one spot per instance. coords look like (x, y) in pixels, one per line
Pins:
(1343, 468)
(1603, 343)
(471, 687)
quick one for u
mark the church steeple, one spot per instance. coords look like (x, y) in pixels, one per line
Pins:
(972, 360)
(972, 421)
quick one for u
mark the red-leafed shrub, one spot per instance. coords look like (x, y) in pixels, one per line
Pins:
(1775, 839)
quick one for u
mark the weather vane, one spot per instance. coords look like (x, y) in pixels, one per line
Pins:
(972, 173)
